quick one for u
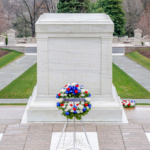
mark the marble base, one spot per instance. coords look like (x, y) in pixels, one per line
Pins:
(81, 142)
(104, 108)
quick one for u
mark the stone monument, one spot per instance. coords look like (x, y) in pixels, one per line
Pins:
(2, 40)
(146, 40)
(74, 48)
(11, 37)
(137, 37)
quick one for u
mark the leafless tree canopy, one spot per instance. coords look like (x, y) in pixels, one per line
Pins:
(135, 10)
(26, 10)
(30, 10)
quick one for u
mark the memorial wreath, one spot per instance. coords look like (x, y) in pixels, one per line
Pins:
(74, 101)
(128, 103)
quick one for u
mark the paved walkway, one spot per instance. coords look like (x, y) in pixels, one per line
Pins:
(111, 136)
(15, 69)
(134, 70)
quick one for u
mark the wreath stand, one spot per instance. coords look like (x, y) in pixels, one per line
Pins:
(74, 134)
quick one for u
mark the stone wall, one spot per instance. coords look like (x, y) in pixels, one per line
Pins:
(28, 40)
(15, 48)
(136, 40)
(129, 49)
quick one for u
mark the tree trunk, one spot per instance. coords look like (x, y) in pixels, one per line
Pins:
(33, 30)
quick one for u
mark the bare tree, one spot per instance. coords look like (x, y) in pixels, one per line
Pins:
(50, 6)
(132, 16)
(2, 20)
(144, 21)
(30, 10)
(6, 16)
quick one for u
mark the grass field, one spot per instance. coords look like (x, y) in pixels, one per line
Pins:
(140, 59)
(5, 60)
(127, 87)
(23, 86)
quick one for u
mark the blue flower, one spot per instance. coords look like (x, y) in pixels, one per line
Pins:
(90, 105)
(58, 104)
(69, 90)
(84, 109)
(89, 95)
(75, 106)
(57, 96)
(67, 113)
(75, 112)
(81, 86)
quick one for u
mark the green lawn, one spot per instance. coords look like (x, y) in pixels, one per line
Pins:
(13, 55)
(140, 59)
(23, 86)
(126, 86)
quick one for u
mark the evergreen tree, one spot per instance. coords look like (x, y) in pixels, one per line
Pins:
(84, 6)
(95, 8)
(73, 6)
(115, 10)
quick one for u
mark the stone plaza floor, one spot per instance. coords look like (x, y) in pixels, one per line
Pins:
(111, 136)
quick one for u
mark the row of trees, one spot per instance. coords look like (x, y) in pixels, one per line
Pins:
(113, 8)
(24, 13)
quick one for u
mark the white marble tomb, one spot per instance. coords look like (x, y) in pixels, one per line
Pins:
(74, 48)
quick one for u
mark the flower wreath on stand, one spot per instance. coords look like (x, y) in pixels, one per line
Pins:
(77, 109)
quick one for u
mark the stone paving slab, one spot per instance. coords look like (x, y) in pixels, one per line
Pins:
(2, 128)
(139, 114)
(110, 137)
(146, 128)
(15, 69)
(134, 70)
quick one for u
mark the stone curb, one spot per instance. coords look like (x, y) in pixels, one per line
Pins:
(13, 101)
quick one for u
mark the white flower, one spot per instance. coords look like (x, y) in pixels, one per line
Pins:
(72, 110)
(63, 106)
(66, 109)
(62, 94)
(126, 104)
(81, 111)
(80, 106)
(82, 103)
(82, 90)
(87, 107)
(82, 95)
(132, 104)
(66, 104)
(78, 111)
(68, 84)
(65, 94)
(87, 99)
(69, 107)
(59, 100)
(62, 90)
